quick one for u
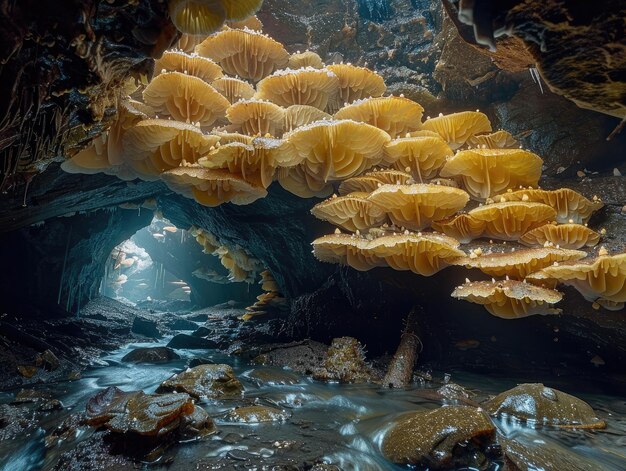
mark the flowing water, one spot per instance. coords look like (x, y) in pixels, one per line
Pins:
(344, 424)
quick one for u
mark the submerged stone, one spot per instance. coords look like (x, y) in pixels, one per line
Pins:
(546, 456)
(272, 376)
(192, 343)
(215, 381)
(145, 327)
(345, 362)
(256, 414)
(150, 355)
(443, 438)
(534, 402)
(182, 324)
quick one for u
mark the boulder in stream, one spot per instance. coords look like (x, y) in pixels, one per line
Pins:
(190, 342)
(256, 414)
(215, 381)
(145, 327)
(150, 355)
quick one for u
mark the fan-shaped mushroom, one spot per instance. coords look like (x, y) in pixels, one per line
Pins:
(416, 206)
(307, 86)
(495, 140)
(228, 137)
(346, 249)
(188, 42)
(352, 212)
(185, 98)
(509, 221)
(487, 172)
(251, 22)
(570, 206)
(370, 181)
(510, 299)
(296, 180)
(568, 236)
(233, 89)
(423, 157)
(457, 128)
(192, 64)
(355, 83)
(197, 17)
(301, 115)
(244, 53)
(395, 115)
(462, 227)
(519, 263)
(257, 117)
(300, 60)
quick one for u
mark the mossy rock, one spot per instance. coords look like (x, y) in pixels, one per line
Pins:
(215, 381)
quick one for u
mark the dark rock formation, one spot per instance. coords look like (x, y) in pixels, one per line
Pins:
(150, 355)
(214, 381)
(191, 342)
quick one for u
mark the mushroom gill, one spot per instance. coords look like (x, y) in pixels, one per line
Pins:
(233, 89)
(197, 17)
(519, 263)
(244, 53)
(568, 236)
(571, 206)
(304, 59)
(192, 64)
(257, 117)
(495, 140)
(370, 181)
(346, 249)
(355, 83)
(487, 172)
(394, 115)
(457, 128)
(185, 98)
(509, 221)
(462, 227)
(423, 157)
(416, 206)
(301, 115)
(298, 181)
(351, 212)
(251, 22)
(510, 299)
(306, 86)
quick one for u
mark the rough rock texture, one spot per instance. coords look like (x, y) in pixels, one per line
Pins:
(150, 355)
(205, 381)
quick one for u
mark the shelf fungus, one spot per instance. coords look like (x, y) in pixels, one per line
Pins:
(519, 264)
(185, 98)
(307, 86)
(603, 277)
(495, 140)
(188, 42)
(298, 181)
(509, 221)
(355, 83)
(301, 115)
(417, 206)
(244, 53)
(346, 249)
(300, 60)
(457, 128)
(423, 157)
(233, 89)
(192, 64)
(257, 117)
(212, 187)
(571, 206)
(510, 299)
(370, 181)
(337, 149)
(205, 17)
(487, 172)
(567, 236)
(252, 22)
(394, 115)
(462, 227)
(351, 212)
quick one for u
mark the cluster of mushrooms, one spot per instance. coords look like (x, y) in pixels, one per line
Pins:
(229, 113)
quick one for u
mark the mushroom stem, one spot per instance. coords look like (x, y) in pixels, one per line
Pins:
(400, 371)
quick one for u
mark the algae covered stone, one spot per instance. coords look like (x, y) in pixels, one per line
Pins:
(215, 381)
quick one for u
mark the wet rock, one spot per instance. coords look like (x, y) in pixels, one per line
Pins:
(541, 405)
(198, 317)
(197, 424)
(145, 327)
(48, 360)
(199, 361)
(31, 395)
(272, 376)
(15, 420)
(301, 357)
(444, 438)
(95, 453)
(27, 371)
(256, 414)
(546, 456)
(150, 355)
(182, 324)
(190, 342)
(345, 362)
(201, 332)
(215, 381)
(66, 431)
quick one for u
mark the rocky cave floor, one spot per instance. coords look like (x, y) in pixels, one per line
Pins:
(304, 405)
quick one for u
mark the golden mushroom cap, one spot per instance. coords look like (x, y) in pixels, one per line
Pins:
(487, 172)
(424, 133)
(495, 140)
(212, 187)
(567, 236)
(457, 128)
(92, 159)
(128, 115)
(196, 17)
(301, 115)
(351, 212)
(395, 115)
(306, 86)
(244, 53)
(423, 156)
(192, 64)
(188, 42)
(251, 22)
(298, 181)
(602, 277)
(337, 149)
(233, 89)
(355, 83)
(417, 206)
(509, 221)
(510, 299)
(423, 254)
(239, 10)
(346, 249)
(257, 117)
(228, 137)
(185, 98)
(462, 227)
(370, 181)
(570, 205)
(305, 59)
(519, 263)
